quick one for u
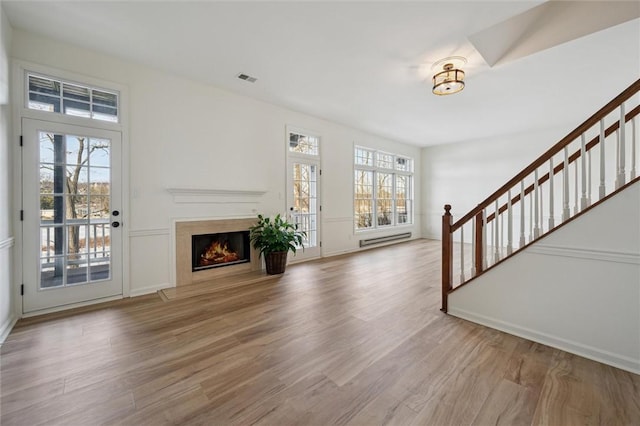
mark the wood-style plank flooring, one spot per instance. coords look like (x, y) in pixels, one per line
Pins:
(355, 339)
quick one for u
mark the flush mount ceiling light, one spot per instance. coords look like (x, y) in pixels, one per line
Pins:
(451, 79)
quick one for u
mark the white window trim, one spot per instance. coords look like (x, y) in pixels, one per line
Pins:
(376, 169)
(299, 130)
(21, 95)
(91, 87)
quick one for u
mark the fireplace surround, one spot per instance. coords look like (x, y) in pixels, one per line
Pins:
(184, 232)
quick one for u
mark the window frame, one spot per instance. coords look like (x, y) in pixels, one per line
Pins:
(95, 122)
(19, 92)
(376, 168)
(303, 132)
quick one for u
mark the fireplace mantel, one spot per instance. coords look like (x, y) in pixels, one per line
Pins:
(210, 195)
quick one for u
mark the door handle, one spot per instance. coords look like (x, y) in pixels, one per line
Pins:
(115, 224)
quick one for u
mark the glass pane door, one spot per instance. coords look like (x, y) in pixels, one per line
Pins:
(305, 209)
(71, 197)
(303, 189)
(304, 204)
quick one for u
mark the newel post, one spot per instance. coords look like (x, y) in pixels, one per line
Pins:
(447, 256)
(479, 255)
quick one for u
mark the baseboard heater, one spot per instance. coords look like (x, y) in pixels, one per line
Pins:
(385, 239)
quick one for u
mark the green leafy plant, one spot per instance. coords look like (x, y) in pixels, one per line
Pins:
(277, 235)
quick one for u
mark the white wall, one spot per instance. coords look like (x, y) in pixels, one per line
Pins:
(6, 236)
(577, 289)
(188, 135)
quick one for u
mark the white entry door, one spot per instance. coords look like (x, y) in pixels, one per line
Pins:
(303, 190)
(72, 242)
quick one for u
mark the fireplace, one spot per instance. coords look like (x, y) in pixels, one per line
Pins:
(219, 250)
(232, 232)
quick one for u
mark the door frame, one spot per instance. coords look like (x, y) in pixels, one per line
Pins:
(290, 158)
(19, 68)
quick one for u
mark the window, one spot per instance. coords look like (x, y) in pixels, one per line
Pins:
(303, 144)
(53, 95)
(383, 189)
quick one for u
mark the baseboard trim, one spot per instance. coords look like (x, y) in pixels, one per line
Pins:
(6, 328)
(148, 290)
(372, 247)
(428, 236)
(338, 252)
(71, 306)
(605, 357)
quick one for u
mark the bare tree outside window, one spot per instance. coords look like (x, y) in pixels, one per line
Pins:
(67, 191)
(382, 187)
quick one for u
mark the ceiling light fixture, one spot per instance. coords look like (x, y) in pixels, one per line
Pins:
(451, 79)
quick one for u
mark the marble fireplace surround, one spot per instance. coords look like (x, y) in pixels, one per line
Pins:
(183, 232)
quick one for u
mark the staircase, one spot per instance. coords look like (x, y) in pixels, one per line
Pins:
(586, 169)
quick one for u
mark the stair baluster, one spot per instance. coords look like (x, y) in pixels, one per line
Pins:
(536, 225)
(541, 228)
(483, 254)
(584, 201)
(474, 255)
(522, 238)
(601, 188)
(589, 174)
(621, 149)
(509, 225)
(484, 239)
(495, 230)
(565, 187)
(462, 254)
(551, 219)
(576, 209)
(633, 148)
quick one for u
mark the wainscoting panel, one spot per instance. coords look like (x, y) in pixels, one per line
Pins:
(7, 316)
(582, 301)
(149, 261)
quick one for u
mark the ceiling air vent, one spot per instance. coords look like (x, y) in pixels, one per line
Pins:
(247, 78)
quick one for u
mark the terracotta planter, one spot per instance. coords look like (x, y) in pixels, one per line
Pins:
(276, 262)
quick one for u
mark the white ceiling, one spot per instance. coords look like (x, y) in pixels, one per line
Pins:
(364, 64)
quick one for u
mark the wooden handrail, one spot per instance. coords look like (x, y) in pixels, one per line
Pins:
(478, 215)
(573, 135)
(592, 206)
(572, 158)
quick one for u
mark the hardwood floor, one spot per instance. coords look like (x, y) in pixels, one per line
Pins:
(356, 339)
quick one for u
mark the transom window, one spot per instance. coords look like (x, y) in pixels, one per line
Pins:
(63, 97)
(303, 144)
(383, 189)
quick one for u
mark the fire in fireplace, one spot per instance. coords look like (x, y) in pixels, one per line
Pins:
(216, 250)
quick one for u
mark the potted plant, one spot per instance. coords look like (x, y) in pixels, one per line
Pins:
(274, 239)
